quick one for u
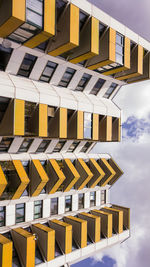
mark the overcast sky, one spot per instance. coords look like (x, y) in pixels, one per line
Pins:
(135, 14)
(132, 154)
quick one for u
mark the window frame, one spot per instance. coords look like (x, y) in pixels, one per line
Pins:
(3, 221)
(63, 79)
(41, 209)
(30, 66)
(68, 209)
(19, 217)
(54, 212)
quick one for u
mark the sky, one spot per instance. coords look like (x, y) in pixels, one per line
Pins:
(132, 154)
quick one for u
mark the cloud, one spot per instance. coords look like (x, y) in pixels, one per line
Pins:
(132, 189)
(134, 14)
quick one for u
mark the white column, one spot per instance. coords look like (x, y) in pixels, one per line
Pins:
(29, 211)
(61, 205)
(10, 215)
(74, 202)
(98, 198)
(87, 200)
(46, 208)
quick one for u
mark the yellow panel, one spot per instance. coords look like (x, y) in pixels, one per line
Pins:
(110, 169)
(140, 59)
(74, 33)
(95, 36)
(68, 241)
(61, 176)
(126, 215)
(74, 25)
(80, 123)
(75, 174)
(118, 171)
(24, 180)
(29, 242)
(49, 25)
(97, 224)
(139, 70)
(126, 59)
(6, 256)
(43, 119)
(89, 174)
(49, 17)
(43, 176)
(127, 53)
(50, 240)
(19, 115)
(101, 173)
(62, 123)
(19, 9)
(109, 128)
(112, 45)
(36, 40)
(94, 43)
(3, 181)
(95, 135)
(83, 229)
(62, 49)
(68, 234)
(120, 218)
(100, 64)
(17, 18)
(109, 220)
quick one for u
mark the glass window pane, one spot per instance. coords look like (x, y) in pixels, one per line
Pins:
(54, 206)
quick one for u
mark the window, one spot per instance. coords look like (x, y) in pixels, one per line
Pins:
(48, 71)
(5, 144)
(59, 146)
(83, 18)
(110, 90)
(68, 203)
(103, 197)
(87, 125)
(2, 216)
(86, 147)
(38, 209)
(25, 145)
(92, 199)
(27, 65)
(34, 22)
(83, 82)
(119, 48)
(68, 75)
(5, 54)
(97, 87)
(20, 213)
(81, 201)
(54, 206)
(73, 146)
(43, 146)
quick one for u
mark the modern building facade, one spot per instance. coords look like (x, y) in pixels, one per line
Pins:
(61, 64)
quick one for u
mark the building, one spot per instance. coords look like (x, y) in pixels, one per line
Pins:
(62, 63)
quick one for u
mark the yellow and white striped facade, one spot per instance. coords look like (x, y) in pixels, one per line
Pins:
(61, 64)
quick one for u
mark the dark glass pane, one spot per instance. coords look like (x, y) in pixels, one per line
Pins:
(54, 206)
(5, 54)
(68, 203)
(27, 65)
